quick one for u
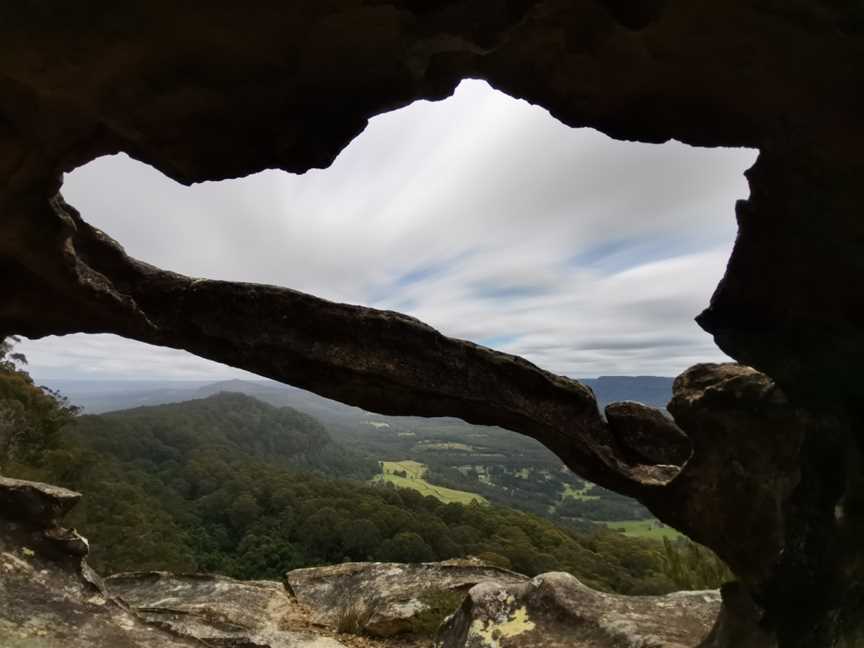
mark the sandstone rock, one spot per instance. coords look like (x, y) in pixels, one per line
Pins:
(555, 610)
(387, 596)
(49, 597)
(740, 622)
(647, 434)
(747, 441)
(758, 490)
(231, 90)
(35, 503)
(216, 609)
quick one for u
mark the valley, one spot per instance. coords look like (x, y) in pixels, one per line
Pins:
(226, 483)
(409, 474)
(459, 462)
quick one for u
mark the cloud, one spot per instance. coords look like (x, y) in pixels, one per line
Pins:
(480, 215)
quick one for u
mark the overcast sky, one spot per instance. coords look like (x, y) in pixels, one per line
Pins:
(481, 215)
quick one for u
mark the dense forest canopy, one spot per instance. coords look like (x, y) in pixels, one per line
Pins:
(491, 463)
(232, 485)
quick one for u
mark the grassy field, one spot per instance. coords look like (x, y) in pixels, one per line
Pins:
(415, 471)
(650, 529)
(578, 493)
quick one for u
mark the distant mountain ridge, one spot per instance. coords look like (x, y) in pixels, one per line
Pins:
(651, 390)
(103, 396)
(499, 465)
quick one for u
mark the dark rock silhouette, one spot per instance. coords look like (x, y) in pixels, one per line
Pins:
(211, 92)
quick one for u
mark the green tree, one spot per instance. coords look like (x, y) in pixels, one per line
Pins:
(406, 547)
(31, 417)
(360, 539)
(690, 566)
(243, 511)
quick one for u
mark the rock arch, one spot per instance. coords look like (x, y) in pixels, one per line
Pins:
(215, 90)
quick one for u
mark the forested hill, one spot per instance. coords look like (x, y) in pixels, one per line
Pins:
(230, 485)
(229, 424)
(97, 396)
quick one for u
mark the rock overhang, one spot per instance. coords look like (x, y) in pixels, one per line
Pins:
(216, 92)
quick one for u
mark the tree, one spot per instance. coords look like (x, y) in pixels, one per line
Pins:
(406, 547)
(243, 511)
(360, 538)
(691, 566)
(31, 417)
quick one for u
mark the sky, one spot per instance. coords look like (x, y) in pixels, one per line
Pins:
(480, 215)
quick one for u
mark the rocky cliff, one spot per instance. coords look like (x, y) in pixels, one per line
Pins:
(50, 598)
(206, 91)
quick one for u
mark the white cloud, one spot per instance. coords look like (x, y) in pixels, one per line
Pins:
(481, 215)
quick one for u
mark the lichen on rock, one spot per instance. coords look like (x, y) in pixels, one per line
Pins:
(555, 610)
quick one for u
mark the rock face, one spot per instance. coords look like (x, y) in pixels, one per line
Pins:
(386, 596)
(229, 90)
(49, 597)
(555, 610)
(216, 609)
(771, 490)
(647, 434)
(34, 503)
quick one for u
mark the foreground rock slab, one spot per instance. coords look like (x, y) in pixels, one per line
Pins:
(385, 597)
(216, 609)
(49, 597)
(34, 502)
(555, 610)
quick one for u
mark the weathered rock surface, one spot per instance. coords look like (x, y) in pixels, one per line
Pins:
(555, 610)
(36, 504)
(770, 487)
(387, 596)
(228, 90)
(49, 597)
(216, 609)
(739, 623)
(647, 435)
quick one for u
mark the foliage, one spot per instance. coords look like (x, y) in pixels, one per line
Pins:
(440, 604)
(605, 505)
(231, 485)
(694, 567)
(354, 614)
(31, 417)
(650, 529)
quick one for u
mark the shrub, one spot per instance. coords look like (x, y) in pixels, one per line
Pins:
(440, 605)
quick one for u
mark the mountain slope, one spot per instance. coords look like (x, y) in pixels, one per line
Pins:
(103, 396)
(234, 423)
(502, 466)
(231, 485)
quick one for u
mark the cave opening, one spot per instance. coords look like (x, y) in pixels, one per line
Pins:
(480, 215)
(223, 93)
